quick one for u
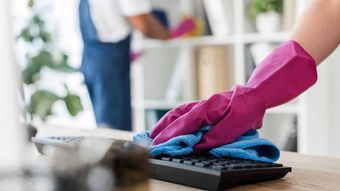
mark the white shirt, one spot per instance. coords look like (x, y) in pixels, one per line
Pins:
(109, 17)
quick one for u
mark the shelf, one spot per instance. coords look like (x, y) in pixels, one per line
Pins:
(191, 41)
(158, 104)
(270, 37)
(213, 40)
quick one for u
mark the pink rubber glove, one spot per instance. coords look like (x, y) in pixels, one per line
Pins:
(187, 25)
(283, 75)
(135, 55)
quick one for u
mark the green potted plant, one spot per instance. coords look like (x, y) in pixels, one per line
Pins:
(267, 14)
(43, 54)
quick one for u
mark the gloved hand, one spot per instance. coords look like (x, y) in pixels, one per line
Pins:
(186, 27)
(283, 75)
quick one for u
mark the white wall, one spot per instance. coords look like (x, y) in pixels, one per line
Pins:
(322, 107)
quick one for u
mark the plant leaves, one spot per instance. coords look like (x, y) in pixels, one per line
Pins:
(26, 35)
(41, 103)
(30, 3)
(44, 58)
(73, 104)
(36, 19)
(62, 65)
(31, 73)
(45, 36)
(261, 6)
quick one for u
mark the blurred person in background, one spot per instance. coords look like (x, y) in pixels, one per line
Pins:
(106, 27)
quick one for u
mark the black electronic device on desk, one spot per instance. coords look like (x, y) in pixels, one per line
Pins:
(205, 172)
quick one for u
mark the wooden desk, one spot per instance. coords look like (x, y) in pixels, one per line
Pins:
(309, 172)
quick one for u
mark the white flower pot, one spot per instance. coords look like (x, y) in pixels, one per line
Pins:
(268, 22)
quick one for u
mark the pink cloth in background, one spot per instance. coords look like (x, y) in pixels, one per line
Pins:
(185, 26)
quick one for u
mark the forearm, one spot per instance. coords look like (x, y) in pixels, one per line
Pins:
(150, 26)
(156, 29)
(318, 30)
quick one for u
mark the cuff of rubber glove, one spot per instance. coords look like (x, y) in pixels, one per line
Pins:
(313, 77)
(303, 51)
(302, 69)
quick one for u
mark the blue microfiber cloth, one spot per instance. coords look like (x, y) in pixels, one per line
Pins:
(248, 146)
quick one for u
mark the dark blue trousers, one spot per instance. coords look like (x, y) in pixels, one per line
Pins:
(106, 68)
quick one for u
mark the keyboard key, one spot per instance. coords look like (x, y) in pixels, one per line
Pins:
(178, 160)
(166, 158)
(213, 160)
(189, 162)
(203, 164)
(218, 167)
(225, 163)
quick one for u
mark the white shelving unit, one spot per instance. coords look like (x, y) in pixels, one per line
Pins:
(237, 41)
(213, 40)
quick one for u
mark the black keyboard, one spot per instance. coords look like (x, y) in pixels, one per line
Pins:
(205, 172)
(214, 173)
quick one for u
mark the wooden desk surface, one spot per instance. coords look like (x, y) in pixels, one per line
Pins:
(308, 172)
